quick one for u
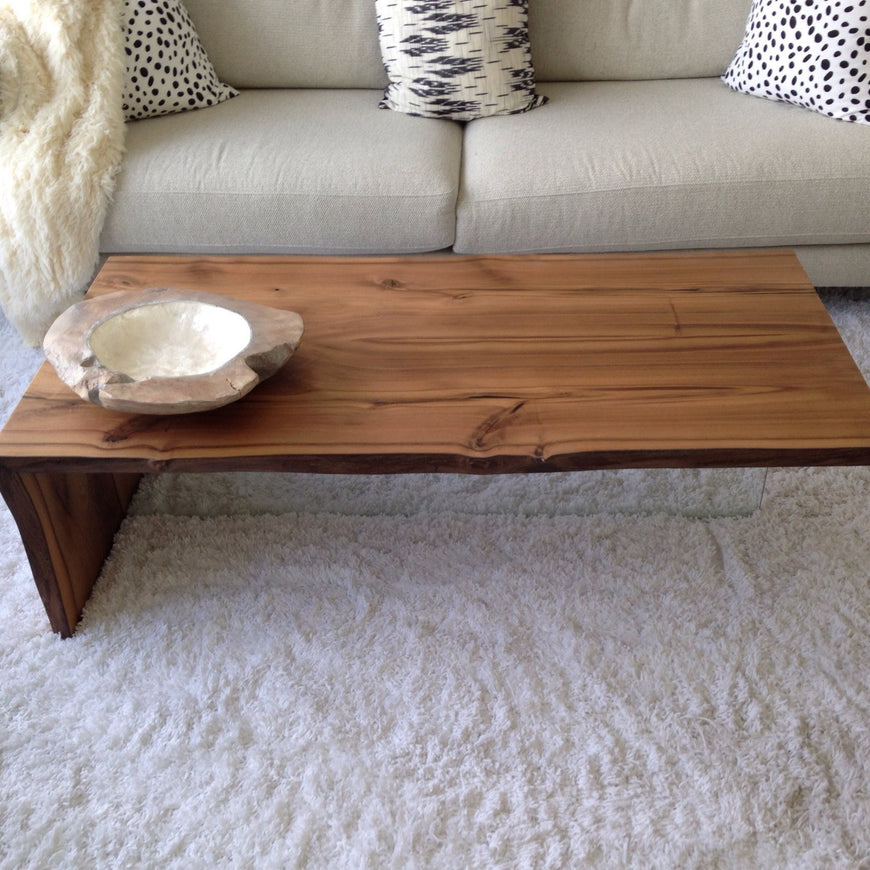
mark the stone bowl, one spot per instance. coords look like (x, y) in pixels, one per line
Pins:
(168, 351)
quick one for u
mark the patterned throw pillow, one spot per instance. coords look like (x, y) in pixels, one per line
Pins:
(167, 67)
(459, 59)
(815, 54)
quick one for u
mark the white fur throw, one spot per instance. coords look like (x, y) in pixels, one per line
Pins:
(61, 143)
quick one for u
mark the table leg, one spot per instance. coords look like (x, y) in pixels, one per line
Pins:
(67, 522)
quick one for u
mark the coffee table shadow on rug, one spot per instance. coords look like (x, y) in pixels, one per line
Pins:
(690, 492)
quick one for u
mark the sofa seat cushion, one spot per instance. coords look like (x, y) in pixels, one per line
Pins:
(609, 166)
(284, 171)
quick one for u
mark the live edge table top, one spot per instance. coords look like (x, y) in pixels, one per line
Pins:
(491, 364)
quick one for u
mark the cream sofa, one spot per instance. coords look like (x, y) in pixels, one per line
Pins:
(640, 147)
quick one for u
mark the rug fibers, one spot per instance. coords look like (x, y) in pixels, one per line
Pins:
(458, 681)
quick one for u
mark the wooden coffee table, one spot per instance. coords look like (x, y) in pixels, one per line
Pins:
(458, 364)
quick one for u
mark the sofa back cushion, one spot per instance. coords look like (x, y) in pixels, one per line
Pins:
(291, 43)
(334, 43)
(601, 40)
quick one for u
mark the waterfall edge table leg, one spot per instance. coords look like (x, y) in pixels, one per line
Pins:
(67, 522)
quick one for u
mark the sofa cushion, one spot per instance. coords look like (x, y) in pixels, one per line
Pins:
(602, 40)
(284, 171)
(167, 69)
(297, 44)
(813, 56)
(315, 43)
(609, 166)
(457, 59)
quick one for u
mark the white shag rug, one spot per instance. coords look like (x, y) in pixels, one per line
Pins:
(447, 686)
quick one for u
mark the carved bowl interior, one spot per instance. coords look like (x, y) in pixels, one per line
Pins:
(169, 351)
(170, 339)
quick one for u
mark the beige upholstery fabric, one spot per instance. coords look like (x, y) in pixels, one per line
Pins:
(836, 265)
(576, 40)
(283, 171)
(291, 43)
(609, 166)
(314, 43)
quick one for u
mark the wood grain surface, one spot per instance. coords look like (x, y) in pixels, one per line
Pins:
(67, 524)
(442, 363)
(492, 364)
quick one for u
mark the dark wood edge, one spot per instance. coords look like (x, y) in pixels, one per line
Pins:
(67, 520)
(400, 463)
(21, 505)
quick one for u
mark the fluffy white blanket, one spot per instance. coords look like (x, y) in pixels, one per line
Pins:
(61, 143)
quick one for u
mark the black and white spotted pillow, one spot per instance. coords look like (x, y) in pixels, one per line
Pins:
(815, 54)
(459, 59)
(167, 67)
